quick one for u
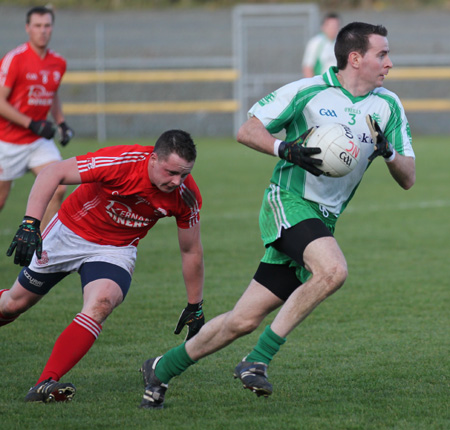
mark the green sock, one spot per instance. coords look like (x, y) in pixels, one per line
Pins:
(173, 363)
(268, 345)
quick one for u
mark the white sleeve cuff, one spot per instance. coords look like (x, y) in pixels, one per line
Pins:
(276, 145)
(391, 158)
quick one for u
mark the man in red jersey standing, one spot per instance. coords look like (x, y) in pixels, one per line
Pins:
(30, 76)
(124, 191)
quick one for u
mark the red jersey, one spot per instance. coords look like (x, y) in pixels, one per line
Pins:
(116, 204)
(34, 82)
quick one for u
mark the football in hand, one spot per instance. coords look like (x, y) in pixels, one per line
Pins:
(340, 149)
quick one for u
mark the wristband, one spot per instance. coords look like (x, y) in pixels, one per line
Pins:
(29, 220)
(391, 158)
(192, 307)
(276, 145)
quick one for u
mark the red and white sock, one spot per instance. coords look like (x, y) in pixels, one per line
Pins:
(4, 319)
(71, 346)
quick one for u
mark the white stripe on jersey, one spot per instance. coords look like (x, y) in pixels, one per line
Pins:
(276, 205)
(56, 54)
(126, 157)
(86, 208)
(89, 324)
(189, 198)
(8, 60)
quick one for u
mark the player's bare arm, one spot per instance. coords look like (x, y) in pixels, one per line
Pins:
(403, 170)
(193, 273)
(65, 132)
(9, 112)
(192, 262)
(254, 135)
(56, 110)
(61, 173)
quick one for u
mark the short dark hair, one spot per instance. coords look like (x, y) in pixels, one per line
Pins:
(40, 10)
(330, 15)
(178, 142)
(355, 37)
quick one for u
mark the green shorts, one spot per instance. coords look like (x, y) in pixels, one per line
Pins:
(281, 210)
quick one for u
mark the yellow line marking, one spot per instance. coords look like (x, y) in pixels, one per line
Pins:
(419, 73)
(227, 75)
(225, 106)
(211, 75)
(151, 76)
(426, 105)
(152, 107)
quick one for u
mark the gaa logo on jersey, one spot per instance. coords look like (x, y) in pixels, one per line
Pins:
(32, 76)
(328, 112)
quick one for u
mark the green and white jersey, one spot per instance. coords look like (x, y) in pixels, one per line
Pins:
(300, 105)
(319, 54)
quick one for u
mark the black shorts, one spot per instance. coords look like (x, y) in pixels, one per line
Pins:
(42, 283)
(281, 279)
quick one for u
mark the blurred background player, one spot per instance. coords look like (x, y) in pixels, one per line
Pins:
(319, 51)
(30, 76)
(124, 191)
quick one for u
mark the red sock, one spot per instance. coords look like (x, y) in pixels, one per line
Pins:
(71, 346)
(4, 319)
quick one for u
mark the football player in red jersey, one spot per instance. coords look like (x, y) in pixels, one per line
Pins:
(124, 190)
(30, 76)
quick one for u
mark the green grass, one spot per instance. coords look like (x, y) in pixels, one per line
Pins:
(372, 356)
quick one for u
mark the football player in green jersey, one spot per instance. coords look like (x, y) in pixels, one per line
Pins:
(303, 263)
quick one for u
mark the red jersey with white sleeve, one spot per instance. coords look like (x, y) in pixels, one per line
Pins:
(34, 82)
(116, 204)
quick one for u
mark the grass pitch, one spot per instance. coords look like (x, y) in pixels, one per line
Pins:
(372, 356)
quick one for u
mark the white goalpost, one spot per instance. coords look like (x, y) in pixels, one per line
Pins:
(268, 46)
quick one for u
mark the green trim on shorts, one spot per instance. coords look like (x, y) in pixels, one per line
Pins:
(282, 209)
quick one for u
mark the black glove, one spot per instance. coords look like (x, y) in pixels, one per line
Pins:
(193, 317)
(66, 133)
(382, 146)
(27, 240)
(298, 154)
(43, 128)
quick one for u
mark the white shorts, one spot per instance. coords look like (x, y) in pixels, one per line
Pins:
(16, 160)
(64, 251)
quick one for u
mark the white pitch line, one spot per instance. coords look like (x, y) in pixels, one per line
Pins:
(400, 207)
(351, 209)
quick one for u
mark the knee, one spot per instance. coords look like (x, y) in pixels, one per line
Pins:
(239, 326)
(12, 308)
(101, 309)
(333, 278)
(340, 274)
(106, 305)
